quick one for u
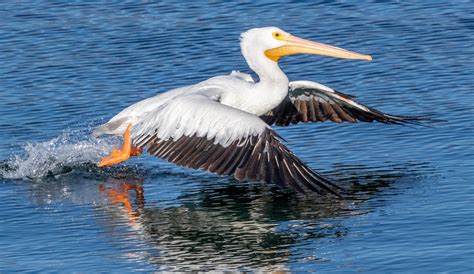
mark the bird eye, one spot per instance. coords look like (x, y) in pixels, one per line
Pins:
(277, 35)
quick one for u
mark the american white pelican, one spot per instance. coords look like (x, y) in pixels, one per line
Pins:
(223, 124)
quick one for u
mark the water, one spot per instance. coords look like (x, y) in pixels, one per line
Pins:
(67, 67)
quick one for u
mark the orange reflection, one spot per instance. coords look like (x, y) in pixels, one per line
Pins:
(119, 194)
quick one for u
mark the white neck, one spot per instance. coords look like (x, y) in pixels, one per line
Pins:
(272, 87)
(267, 70)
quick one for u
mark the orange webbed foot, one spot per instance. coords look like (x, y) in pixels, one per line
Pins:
(113, 160)
(118, 156)
(115, 153)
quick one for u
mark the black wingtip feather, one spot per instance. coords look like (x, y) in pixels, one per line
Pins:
(424, 121)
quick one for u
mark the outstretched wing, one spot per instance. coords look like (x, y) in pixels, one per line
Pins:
(312, 102)
(197, 132)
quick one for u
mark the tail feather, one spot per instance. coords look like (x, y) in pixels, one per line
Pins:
(113, 127)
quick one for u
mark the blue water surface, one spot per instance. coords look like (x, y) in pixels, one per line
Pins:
(67, 66)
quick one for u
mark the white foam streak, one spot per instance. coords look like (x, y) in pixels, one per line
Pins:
(72, 148)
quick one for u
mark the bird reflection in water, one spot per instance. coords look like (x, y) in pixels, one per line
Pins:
(227, 227)
(215, 223)
(238, 226)
(118, 194)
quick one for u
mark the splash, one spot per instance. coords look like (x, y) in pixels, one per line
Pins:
(70, 149)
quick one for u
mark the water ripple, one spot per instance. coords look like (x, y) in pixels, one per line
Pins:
(64, 66)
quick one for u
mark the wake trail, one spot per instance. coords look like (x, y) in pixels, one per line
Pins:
(42, 159)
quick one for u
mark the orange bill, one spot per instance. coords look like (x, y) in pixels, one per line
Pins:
(295, 45)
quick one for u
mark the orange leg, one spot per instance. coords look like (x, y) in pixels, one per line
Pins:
(118, 156)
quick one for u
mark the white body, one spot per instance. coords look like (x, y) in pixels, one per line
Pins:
(237, 91)
(227, 108)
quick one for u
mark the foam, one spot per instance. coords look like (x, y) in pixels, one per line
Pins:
(71, 148)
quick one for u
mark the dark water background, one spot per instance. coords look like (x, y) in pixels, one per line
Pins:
(65, 67)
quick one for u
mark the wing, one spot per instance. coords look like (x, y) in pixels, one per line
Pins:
(197, 132)
(312, 102)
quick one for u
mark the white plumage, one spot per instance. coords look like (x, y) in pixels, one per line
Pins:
(210, 119)
(223, 124)
(237, 90)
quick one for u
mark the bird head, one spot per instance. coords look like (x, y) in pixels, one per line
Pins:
(275, 43)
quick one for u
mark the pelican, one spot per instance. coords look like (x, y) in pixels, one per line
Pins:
(223, 124)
